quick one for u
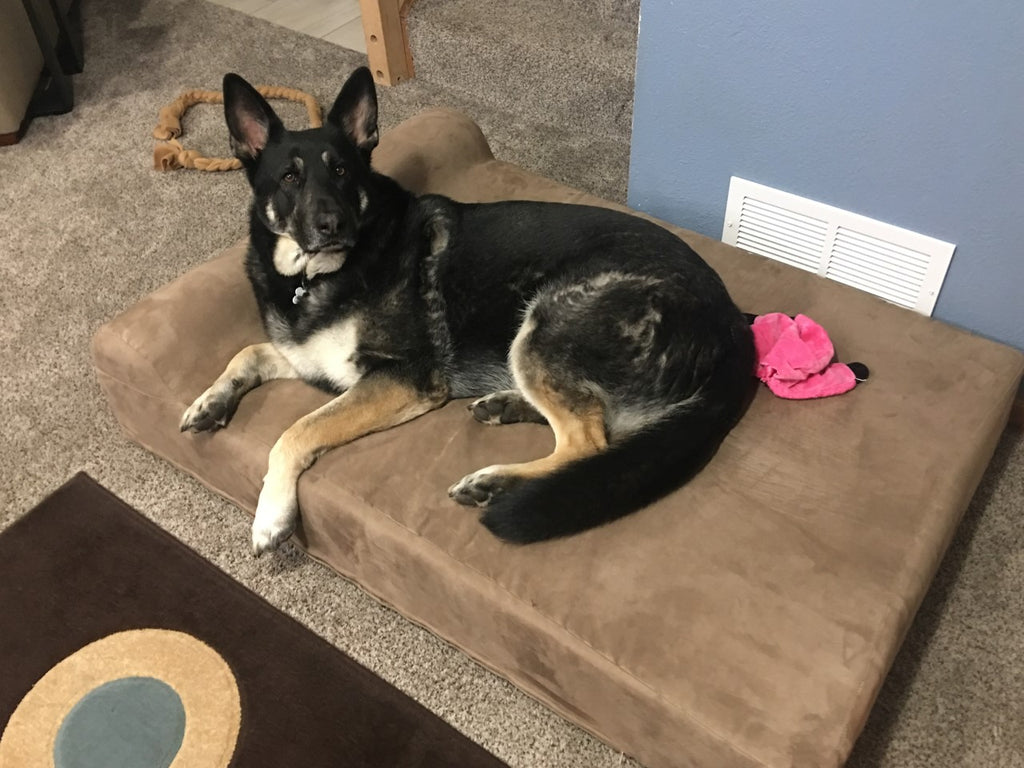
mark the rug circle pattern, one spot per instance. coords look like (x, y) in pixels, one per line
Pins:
(195, 672)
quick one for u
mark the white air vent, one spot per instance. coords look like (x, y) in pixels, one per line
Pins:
(901, 266)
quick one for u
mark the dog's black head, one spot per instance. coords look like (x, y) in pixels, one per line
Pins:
(309, 186)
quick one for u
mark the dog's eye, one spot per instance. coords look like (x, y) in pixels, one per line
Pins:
(290, 177)
(339, 170)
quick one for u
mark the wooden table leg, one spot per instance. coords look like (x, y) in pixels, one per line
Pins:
(387, 41)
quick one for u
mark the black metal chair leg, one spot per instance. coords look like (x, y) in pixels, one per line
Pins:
(55, 93)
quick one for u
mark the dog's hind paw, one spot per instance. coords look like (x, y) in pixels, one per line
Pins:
(480, 488)
(210, 411)
(505, 407)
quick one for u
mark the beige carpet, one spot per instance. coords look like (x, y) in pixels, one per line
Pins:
(87, 228)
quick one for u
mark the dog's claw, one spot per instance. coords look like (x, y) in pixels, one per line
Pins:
(201, 422)
(209, 412)
(277, 517)
(505, 407)
(268, 541)
(480, 488)
(486, 411)
(468, 495)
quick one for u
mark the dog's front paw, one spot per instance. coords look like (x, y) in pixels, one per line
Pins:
(277, 515)
(211, 410)
(480, 488)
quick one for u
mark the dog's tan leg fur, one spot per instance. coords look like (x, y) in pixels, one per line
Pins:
(374, 404)
(579, 426)
(576, 418)
(579, 432)
(248, 369)
(261, 361)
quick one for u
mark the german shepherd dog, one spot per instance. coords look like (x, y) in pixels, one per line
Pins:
(605, 326)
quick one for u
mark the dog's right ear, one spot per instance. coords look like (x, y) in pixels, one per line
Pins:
(355, 111)
(251, 121)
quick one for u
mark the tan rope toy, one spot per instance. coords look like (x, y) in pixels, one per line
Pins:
(171, 155)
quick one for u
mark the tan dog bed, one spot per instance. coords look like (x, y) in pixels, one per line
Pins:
(745, 620)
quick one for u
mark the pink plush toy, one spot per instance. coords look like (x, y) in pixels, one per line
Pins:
(795, 358)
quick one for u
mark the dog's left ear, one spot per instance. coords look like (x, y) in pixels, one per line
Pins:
(355, 110)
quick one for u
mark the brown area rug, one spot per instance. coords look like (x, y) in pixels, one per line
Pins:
(98, 605)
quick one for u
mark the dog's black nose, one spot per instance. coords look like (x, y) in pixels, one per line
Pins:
(328, 223)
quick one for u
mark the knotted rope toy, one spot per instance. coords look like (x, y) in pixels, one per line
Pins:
(171, 155)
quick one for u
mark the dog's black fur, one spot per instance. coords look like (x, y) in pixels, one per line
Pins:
(603, 324)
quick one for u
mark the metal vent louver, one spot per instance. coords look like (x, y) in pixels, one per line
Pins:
(896, 264)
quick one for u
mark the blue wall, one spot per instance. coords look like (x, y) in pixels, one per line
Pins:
(908, 112)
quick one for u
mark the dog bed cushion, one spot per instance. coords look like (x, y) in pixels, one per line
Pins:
(747, 619)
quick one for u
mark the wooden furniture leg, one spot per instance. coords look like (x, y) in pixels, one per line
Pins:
(387, 41)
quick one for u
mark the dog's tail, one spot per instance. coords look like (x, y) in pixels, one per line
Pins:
(627, 476)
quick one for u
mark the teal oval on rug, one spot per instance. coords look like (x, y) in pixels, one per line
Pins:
(133, 722)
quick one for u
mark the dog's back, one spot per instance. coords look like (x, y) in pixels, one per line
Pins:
(620, 336)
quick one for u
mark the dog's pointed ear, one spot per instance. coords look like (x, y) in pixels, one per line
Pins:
(251, 120)
(355, 110)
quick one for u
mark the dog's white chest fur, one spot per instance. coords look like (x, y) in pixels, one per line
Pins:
(290, 260)
(328, 354)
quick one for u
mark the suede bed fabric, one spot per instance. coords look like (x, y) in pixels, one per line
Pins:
(746, 620)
